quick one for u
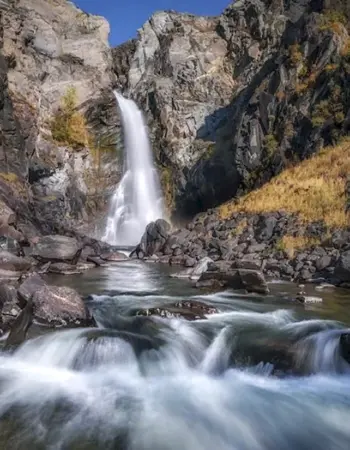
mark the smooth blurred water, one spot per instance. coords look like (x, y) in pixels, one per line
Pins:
(137, 200)
(263, 373)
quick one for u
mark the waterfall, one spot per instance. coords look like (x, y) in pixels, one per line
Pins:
(137, 199)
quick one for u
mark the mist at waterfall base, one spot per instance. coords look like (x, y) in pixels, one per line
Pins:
(137, 200)
(151, 383)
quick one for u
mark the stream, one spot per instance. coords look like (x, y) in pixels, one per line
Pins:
(261, 373)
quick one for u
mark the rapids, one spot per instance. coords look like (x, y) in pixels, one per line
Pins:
(261, 374)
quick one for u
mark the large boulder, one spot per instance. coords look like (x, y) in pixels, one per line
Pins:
(154, 238)
(57, 248)
(54, 305)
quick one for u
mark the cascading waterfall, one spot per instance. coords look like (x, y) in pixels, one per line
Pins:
(137, 199)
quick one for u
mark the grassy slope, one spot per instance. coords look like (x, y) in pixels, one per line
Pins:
(314, 189)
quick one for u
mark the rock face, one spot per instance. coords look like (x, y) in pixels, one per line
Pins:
(47, 48)
(232, 100)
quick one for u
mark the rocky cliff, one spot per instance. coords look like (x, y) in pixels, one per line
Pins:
(233, 100)
(50, 48)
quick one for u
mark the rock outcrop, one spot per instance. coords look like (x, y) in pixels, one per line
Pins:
(232, 100)
(46, 50)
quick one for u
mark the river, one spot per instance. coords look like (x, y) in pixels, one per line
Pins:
(262, 373)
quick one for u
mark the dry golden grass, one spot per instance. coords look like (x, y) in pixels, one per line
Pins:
(291, 244)
(313, 189)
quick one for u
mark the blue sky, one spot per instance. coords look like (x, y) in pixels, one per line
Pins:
(126, 16)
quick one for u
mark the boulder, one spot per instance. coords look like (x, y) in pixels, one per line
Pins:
(57, 248)
(342, 268)
(13, 263)
(54, 305)
(249, 280)
(323, 262)
(154, 238)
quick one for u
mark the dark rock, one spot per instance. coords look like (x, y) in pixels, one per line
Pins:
(189, 262)
(265, 228)
(212, 284)
(177, 252)
(64, 269)
(249, 280)
(342, 268)
(31, 285)
(9, 305)
(189, 310)
(114, 256)
(154, 238)
(20, 326)
(99, 262)
(57, 248)
(176, 260)
(246, 264)
(14, 263)
(323, 262)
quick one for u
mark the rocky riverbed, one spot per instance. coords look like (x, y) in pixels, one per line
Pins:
(253, 243)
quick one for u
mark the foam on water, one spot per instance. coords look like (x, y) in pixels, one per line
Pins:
(90, 387)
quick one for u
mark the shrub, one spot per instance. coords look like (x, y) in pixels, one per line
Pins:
(334, 21)
(271, 144)
(68, 127)
(295, 55)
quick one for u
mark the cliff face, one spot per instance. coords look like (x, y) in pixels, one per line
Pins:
(233, 100)
(49, 47)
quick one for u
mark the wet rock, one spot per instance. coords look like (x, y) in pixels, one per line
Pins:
(64, 269)
(31, 285)
(249, 280)
(99, 262)
(11, 262)
(9, 305)
(307, 299)
(189, 310)
(57, 248)
(20, 326)
(342, 268)
(59, 306)
(114, 256)
(211, 285)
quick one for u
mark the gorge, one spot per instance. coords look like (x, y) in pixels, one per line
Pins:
(229, 326)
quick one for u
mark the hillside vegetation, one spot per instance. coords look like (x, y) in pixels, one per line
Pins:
(315, 189)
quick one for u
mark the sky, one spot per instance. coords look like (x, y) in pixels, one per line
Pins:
(126, 16)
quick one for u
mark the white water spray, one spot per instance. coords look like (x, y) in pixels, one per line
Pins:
(137, 200)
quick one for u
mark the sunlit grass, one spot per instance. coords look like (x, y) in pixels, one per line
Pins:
(315, 190)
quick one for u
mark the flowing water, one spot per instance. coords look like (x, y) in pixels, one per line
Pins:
(137, 200)
(260, 374)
